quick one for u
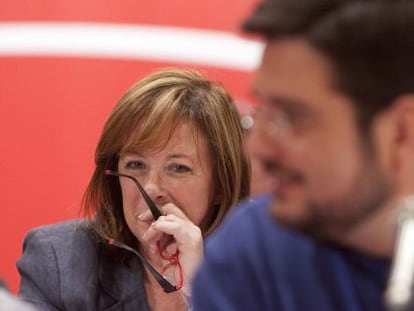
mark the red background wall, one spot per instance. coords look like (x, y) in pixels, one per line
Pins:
(52, 108)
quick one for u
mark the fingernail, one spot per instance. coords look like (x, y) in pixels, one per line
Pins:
(140, 216)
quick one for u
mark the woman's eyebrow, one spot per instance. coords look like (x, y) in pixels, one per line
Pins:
(179, 156)
(129, 154)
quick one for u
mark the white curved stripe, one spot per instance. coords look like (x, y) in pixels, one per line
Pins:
(170, 44)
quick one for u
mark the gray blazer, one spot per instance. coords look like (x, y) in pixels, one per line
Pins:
(65, 267)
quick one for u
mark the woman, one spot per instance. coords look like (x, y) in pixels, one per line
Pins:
(177, 136)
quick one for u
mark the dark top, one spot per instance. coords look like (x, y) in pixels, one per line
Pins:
(252, 263)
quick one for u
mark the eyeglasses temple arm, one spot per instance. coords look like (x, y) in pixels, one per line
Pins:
(167, 286)
(154, 209)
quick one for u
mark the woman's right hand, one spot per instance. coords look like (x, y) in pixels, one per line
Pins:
(187, 238)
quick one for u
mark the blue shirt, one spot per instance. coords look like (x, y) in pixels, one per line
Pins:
(252, 263)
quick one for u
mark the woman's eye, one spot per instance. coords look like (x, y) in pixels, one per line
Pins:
(179, 168)
(135, 165)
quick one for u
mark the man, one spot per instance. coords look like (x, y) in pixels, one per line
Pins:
(335, 130)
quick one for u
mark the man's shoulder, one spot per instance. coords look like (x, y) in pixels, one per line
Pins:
(248, 227)
(250, 219)
(251, 211)
(250, 245)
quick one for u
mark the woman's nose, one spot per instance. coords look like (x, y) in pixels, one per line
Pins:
(153, 185)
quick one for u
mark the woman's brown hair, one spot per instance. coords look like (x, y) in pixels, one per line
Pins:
(146, 117)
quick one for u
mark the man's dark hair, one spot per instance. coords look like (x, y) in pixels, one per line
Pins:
(370, 44)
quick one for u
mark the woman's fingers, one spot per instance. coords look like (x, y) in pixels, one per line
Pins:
(145, 216)
(186, 234)
(173, 222)
(170, 225)
(184, 231)
(175, 225)
(172, 209)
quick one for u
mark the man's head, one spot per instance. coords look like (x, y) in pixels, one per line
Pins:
(335, 122)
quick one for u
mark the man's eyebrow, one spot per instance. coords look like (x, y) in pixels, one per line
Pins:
(287, 103)
(283, 102)
(276, 100)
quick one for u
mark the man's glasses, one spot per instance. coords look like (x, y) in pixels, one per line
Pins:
(284, 122)
(172, 258)
(274, 121)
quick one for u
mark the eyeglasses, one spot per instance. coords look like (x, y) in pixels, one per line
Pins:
(285, 121)
(274, 121)
(161, 278)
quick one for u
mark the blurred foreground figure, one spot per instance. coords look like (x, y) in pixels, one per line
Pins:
(335, 129)
(8, 302)
(261, 180)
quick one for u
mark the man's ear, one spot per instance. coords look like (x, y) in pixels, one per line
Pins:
(402, 116)
(393, 135)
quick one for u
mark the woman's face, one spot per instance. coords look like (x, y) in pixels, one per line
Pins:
(181, 174)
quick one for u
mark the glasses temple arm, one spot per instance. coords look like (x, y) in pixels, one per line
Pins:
(167, 286)
(154, 209)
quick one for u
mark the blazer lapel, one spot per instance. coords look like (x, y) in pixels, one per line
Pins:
(122, 283)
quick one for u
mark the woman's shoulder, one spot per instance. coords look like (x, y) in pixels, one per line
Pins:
(67, 226)
(61, 265)
(68, 235)
(58, 248)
